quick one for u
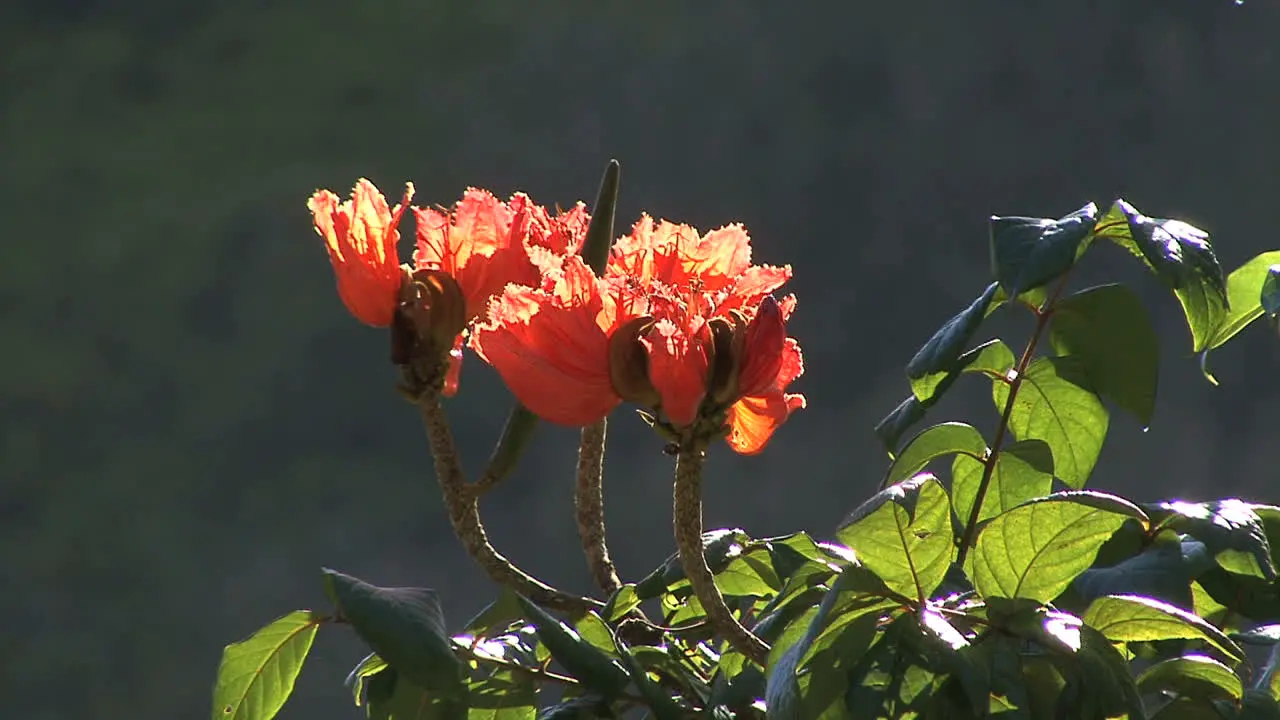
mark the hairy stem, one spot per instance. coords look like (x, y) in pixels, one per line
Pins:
(464, 515)
(687, 518)
(988, 468)
(588, 502)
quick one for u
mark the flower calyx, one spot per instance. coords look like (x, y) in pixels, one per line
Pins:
(426, 330)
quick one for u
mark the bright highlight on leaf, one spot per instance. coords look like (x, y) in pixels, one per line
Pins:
(256, 675)
(903, 535)
(1034, 551)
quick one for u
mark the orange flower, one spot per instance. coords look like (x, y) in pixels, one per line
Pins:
(361, 236)
(680, 323)
(485, 245)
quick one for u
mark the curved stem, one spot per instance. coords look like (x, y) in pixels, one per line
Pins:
(588, 503)
(464, 515)
(1019, 370)
(687, 518)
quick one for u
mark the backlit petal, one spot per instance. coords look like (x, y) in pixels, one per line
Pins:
(678, 369)
(753, 420)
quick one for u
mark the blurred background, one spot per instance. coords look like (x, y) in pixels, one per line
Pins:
(193, 425)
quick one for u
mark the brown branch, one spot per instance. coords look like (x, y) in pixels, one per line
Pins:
(464, 514)
(588, 503)
(687, 518)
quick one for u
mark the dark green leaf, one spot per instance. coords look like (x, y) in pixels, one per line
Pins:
(903, 535)
(1106, 679)
(1270, 299)
(392, 696)
(1130, 618)
(992, 357)
(1056, 405)
(597, 671)
(1160, 571)
(1258, 705)
(943, 349)
(1194, 676)
(1027, 252)
(1023, 471)
(661, 704)
(891, 428)
(583, 707)
(1244, 595)
(256, 675)
(1035, 550)
(369, 666)
(1182, 256)
(1108, 330)
(1229, 528)
(404, 626)
(934, 442)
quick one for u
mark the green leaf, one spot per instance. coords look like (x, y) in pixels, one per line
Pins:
(1108, 330)
(719, 546)
(1230, 529)
(1194, 676)
(392, 696)
(943, 349)
(661, 705)
(596, 670)
(934, 442)
(892, 427)
(1130, 618)
(1258, 705)
(1106, 681)
(749, 575)
(1055, 405)
(1182, 256)
(992, 357)
(903, 535)
(1035, 550)
(1160, 571)
(369, 666)
(1028, 253)
(256, 675)
(497, 616)
(503, 694)
(404, 626)
(1244, 291)
(1023, 471)
(621, 603)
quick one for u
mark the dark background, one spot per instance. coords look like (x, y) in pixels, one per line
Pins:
(193, 425)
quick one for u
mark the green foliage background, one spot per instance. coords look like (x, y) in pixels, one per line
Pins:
(192, 425)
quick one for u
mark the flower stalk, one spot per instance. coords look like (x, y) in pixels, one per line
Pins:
(687, 519)
(588, 505)
(462, 504)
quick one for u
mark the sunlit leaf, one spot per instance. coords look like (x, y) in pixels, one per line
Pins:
(1193, 676)
(1108, 331)
(256, 675)
(1129, 618)
(1054, 404)
(1231, 529)
(1035, 550)
(1028, 252)
(903, 535)
(371, 665)
(934, 442)
(1023, 471)
(1182, 256)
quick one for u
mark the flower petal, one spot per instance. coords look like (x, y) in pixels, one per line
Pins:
(550, 350)
(678, 367)
(752, 420)
(766, 338)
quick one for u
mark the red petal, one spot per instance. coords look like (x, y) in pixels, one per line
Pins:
(766, 338)
(550, 351)
(677, 369)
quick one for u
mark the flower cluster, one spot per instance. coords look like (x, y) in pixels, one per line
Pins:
(679, 323)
